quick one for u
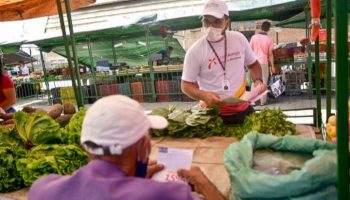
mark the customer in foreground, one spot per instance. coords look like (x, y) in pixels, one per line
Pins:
(115, 135)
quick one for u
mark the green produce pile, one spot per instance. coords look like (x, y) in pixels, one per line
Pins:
(192, 123)
(72, 130)
(38, 146)
(203, 123)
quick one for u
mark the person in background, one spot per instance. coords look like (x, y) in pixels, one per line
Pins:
(24, 68)
(165, 55)
(214, 67)
(262, 46)
(115, 135)
(7, 91)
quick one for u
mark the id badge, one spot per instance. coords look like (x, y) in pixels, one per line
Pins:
(225, 85)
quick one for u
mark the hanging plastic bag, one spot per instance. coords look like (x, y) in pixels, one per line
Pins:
(276, 85)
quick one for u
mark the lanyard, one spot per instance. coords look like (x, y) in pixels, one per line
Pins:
(223, 66)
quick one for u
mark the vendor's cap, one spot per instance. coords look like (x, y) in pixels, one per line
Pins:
(216, 8)
(114, 123)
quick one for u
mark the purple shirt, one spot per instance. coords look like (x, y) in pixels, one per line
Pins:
(102, 180)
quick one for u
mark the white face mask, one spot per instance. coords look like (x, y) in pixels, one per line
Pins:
(213, 34)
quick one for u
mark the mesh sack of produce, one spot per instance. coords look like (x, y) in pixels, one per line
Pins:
(314, 180)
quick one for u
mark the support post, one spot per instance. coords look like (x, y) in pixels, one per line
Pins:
(75, 59)
(342, 74)
(318, 83)
(329, 60)
(69, 59)
(45, 77)
(150, 64)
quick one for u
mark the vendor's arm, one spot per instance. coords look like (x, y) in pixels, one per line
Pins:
(10, 98)
(255, 71)
(201, 183)
(256, 74)
(192, 90)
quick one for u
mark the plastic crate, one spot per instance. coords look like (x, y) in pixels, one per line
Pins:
(108, 89)
(162, 91)
(147, 91)
(67, 95)
(137, 91)
(124, 88)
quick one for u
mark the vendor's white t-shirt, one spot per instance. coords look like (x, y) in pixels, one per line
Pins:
(202, 65)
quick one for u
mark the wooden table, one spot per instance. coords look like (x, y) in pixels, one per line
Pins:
(208, 154)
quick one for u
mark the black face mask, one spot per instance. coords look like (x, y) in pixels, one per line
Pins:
(141, 169)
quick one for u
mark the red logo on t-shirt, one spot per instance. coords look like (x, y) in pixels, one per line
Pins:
(212, 61)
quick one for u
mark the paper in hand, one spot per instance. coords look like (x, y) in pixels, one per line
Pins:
(233, 101)
(173, 159)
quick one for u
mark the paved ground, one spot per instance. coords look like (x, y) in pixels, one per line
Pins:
(284, 102)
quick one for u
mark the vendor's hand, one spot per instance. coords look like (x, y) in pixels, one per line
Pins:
(211, 99)
(260, 86)
(153, 168)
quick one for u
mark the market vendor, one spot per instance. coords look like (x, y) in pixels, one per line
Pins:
(214, 67)
(7, 91)
(24, 68)
(165, 55)
(115, 135)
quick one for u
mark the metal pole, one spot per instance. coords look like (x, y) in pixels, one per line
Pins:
(31, 59)
(309, 58)
(75, 59)
(114, 53)
(92, 65)
(66, 45)
(342, 74)
(318, 82)
(45, 77)
(329, 60)
(150, 65)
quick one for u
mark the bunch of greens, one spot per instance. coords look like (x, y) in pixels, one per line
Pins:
(196, 122)
(37, 128)
(9, 138)
(269, 121)
(73, 128)
(202, 123)
(46, 159)
(10, 179)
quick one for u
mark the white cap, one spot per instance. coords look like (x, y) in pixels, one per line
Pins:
(115, 123)
(216, 8)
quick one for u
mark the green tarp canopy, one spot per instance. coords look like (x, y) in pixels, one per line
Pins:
(135, 54)
(131, 51)
(298, 20)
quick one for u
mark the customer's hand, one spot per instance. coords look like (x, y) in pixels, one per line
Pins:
(195, 177)
(153, 168)
(201, 183)
(211, 99)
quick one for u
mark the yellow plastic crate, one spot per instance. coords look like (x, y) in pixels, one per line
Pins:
(67, 95)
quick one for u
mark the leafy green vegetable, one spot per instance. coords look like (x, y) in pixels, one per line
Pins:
(204, 123)
(9, 138)
(73, 129)
(269, 121)
(37, 128)
(10, 179)
(47, 159)
(197, 122)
